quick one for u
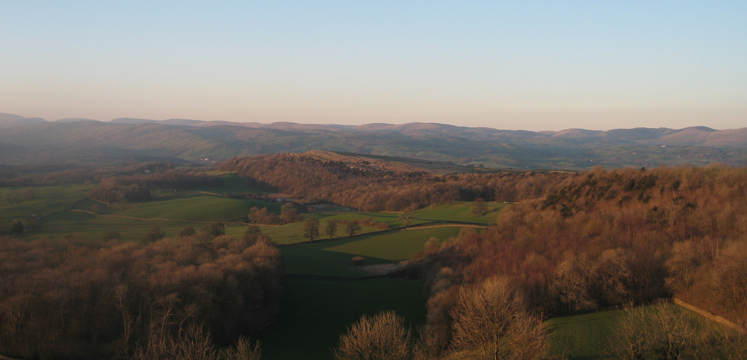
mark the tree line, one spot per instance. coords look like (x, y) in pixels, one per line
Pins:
(61, 174)
(314, 180)
(135, 188)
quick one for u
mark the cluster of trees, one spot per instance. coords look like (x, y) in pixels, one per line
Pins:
(603, 239)
(490, 321)
(77, 299)
(306, 177)
(138, 187)
(288, 214)
(313, 230)
(352, 227)
(120, 193)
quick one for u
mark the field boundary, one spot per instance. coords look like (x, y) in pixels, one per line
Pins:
(427, 225)
(332, 278)
(709, 315)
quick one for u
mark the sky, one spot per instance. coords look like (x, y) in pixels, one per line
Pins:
(530, 65)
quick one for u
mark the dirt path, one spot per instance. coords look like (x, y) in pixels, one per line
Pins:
(710, 316)
(447, 225)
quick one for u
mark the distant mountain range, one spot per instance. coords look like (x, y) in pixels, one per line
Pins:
(37, 140)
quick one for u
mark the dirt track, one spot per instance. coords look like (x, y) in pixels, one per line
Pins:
(708, 315)
(447, 225)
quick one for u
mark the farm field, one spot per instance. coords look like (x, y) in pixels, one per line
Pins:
(94, 227)
(197, 208)
(332, 258)
(587, 336)
(316, 312)
(47, 199)
(293, 233)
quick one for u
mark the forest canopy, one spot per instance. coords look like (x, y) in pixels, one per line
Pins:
(76, 299)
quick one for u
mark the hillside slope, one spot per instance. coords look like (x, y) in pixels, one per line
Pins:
(25, 140)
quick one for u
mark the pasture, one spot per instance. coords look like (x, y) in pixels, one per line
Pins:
(316, 312)
(332, 258)
(197, 208)
(47, 199)
(94, 227)
(588, 336)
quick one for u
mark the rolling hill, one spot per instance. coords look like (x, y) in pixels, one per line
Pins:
(34, 140)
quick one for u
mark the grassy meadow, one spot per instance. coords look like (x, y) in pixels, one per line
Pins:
(316, 312)
(197, 208)
(588, 336)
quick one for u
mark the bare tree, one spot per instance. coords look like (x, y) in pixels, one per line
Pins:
(331, 229)
(407, 215)
(352, 227)
(660, 331)
(479, 207)
(491, 320)
(311, 228)
(381, 337)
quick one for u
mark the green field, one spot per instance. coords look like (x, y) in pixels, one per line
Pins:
(332, 258)
(94, 227)
(395, 246)
(459, 211)
(315, 313)
(197, 208)
(48, 199)
(587, 336)
(293, 233)
(582, 336)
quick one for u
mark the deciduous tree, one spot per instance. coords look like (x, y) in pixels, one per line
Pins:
(352, 227)
(479, 207)
(311, 228)
(154, 234)
(331, 229)
(381, 337)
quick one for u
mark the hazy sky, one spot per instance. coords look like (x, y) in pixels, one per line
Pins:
(511, 65)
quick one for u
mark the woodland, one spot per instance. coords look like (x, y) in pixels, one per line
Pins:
(574, 242)
(566, 243)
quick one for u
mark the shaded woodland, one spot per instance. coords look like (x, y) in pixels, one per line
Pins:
(76, 299)
(603, 239)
